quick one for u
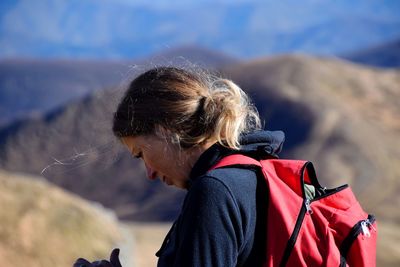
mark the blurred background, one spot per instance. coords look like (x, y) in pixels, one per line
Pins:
(325, 72)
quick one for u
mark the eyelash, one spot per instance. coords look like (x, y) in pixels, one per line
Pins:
(138, 156)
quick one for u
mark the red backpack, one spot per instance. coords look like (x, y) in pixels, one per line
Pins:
(330, 229)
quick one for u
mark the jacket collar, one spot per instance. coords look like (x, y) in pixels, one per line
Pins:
(258, 144)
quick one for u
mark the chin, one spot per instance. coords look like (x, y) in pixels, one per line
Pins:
(181, 186)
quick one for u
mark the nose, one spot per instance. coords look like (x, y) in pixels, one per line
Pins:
(151, 174)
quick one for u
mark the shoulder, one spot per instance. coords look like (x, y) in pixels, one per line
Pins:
(240, 181)
(227, 177)
(210, 188)
(224, 185)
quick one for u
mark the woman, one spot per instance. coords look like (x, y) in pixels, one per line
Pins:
(181, 123)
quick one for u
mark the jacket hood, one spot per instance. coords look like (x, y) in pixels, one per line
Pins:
(257, 144)
(262, 143)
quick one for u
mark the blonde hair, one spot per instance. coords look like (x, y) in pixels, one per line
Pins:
(191, 107)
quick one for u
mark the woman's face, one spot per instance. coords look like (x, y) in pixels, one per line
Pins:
(163, 159)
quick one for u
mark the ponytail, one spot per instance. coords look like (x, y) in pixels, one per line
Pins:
(192, 107)
(234, 113)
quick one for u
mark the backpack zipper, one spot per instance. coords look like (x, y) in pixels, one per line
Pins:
(305, 209)
(307, 204)
(364, 227)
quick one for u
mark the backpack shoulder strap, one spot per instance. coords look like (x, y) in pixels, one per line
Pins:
(236, 159)
(294, 173)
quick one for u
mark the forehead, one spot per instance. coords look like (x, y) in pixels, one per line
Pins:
(133, 142)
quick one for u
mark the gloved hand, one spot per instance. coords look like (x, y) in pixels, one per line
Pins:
(114, 261)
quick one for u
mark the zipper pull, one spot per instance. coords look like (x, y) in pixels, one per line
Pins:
(370, 225)
(308, 206)
(365, 228)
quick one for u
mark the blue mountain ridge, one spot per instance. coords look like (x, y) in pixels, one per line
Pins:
(131, 29)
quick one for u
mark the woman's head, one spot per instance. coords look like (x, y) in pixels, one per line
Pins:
(169, 116)
(188, 108)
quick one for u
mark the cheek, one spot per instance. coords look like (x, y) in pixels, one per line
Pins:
(155, 163)
(167, 161)
(149, 163)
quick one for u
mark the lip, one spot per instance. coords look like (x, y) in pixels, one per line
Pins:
(150, 173)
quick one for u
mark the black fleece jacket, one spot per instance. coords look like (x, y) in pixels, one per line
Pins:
(222, 221)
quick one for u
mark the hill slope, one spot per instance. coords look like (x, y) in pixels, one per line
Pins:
(42, 225)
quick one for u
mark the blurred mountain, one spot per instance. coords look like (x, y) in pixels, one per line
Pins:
(190, 55)
(43, 226)
(32, 87)
(342, 116)
(386, 55)
(74, 148)
(243, 28)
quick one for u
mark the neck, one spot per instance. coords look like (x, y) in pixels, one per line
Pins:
(196, 152)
